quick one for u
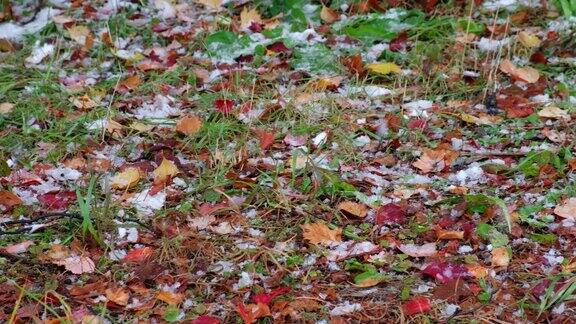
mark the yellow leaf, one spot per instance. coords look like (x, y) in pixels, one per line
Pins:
(165, 171)
(6, 107)
(247, 17)
(141, 127)
(213, 4)
(189, 125)
(170, 298)
(384, 68)
(328, 15)
(319, 233)
(528, 39)
(354, 209)
(125, 179)
(483, 119)
(500, 257)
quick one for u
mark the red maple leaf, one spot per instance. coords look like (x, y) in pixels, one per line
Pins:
(57, 200)
(445, 271)
(224, 106)
(390, 213)
(416, 305)
(266, 298)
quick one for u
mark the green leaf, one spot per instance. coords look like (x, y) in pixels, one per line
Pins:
(488, 232)
(369, 278)
(471, 26)
(172, 314)
(479, 199)
(547, 238)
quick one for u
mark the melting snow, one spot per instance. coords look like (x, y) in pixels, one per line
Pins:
(146, 204)
(64, 174)
(345, 308)
(160, 108)
(418, 108)
(15, 32)
(39, 53)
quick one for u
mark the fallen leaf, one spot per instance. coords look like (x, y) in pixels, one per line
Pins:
(118, 295)
(319, 233)
(500, 257)
(249, 16)
(390, 214)
(125, 179)
(78, 264)
(213, 4)
(84, 102)
(554, 113)
(8, 200)
(224, 106)
(170, 298)
(528, 39)
(444, 271)
(328, 15)
(82, 35)
(252, 312)
(189, 125)
(266, 298)
(138, 255)
(482, 119)
(449, 235)
(206, 319)
(18, 247)
(526, 74)
(384, 68)
(266, 138)
(130, 83)
(353, 208)
(477, 271)
(165, 171)
(416, 305)
(57, 200)
(418, 251)
(431, 161)
(567, 209)
(6, 107)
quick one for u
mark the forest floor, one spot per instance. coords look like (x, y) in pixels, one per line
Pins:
(268, 161)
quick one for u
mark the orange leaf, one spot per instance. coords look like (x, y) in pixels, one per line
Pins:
(431, 161)
(138, 255)
(118, 295)
(526, 74)
(170, 298)
(130, 83)
(328, 15)
(500, 257)
(165, 171)
(319, 233)
(353, 208)
(449, 235)
(266, 138)
(189, 125)
(8, 200)
(252, 312)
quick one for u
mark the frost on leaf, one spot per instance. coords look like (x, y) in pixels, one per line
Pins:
(413, 250)
(444, 271)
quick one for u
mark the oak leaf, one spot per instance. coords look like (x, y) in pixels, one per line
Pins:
(319, 233)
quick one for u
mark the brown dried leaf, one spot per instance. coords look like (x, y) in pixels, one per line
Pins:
(319, 233)
(353, 208)
(118, 295)
(500, 257)
(328, 15)
(189, 125)
(567, 209)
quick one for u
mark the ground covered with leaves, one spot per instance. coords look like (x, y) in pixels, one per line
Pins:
(266, 161)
